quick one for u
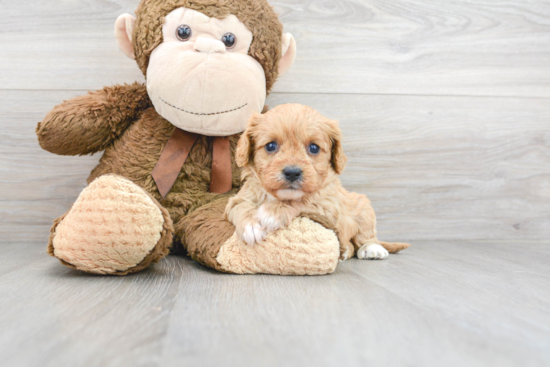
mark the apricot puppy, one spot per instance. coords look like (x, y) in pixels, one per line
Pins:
(291, 158)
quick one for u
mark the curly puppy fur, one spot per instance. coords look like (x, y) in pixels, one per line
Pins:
(269, 200)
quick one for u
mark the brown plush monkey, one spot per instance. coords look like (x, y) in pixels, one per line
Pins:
(168, 168)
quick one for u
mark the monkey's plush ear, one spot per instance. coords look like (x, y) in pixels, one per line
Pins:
(289, 53)
(245, 146)
(124, 28)
(338, 158)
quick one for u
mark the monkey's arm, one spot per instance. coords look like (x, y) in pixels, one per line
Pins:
(90, 123)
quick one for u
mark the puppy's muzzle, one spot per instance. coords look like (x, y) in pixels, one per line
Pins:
(292, 173)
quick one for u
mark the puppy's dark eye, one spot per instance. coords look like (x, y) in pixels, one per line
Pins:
(314, 148)
(183, 32)
(271, 147)
(229, 40)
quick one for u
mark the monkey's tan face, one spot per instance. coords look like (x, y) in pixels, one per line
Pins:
(201, 78)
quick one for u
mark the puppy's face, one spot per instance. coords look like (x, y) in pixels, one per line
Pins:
(292, 149)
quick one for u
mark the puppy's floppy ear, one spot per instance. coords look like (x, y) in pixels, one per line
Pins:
(245, 146)
(338, 158)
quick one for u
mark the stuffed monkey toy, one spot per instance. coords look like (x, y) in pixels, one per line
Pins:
(168, 165)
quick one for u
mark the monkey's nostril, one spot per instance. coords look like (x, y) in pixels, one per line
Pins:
(292, 173)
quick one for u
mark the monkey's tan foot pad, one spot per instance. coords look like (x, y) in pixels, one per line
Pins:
(303, 248)
(114, 227)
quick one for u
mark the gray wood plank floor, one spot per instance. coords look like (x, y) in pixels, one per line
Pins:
(445, 107)
(438, 304)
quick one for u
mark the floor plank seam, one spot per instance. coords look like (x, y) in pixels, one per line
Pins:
(320, 93)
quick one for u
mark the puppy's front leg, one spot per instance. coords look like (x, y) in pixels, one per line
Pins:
(273, 215)
(242, 213)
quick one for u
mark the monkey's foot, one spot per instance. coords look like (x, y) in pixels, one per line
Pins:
(305, 247)
(114, 227)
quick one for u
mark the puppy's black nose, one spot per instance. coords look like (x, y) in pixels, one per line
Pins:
(292, 173)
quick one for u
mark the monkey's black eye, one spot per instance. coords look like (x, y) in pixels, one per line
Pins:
(314, 149)
(271, 147)
(183, 32)
(229, 40)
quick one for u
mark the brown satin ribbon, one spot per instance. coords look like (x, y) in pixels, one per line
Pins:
(177, 150)
(221, 178)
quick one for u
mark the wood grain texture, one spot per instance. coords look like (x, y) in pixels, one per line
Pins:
(77, 319)
(63, 45)
(438, 304)
(445, 113)
(346, 46)
(434, 167)
(420, 47)
(446, 167)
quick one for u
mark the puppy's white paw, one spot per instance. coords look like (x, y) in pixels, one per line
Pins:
(253, 234)
(267, 221)
(372, 252)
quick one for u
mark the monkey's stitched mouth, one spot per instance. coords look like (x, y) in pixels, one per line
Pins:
(202, 113)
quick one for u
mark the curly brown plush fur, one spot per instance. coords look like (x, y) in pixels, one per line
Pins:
(134, 148)
(136, 152)
(121, 121)
(91, 123)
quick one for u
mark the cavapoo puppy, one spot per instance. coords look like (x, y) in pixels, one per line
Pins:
(291, 158)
